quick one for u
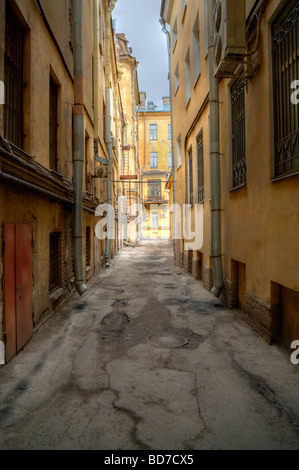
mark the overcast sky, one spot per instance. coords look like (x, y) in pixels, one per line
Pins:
(139, 20)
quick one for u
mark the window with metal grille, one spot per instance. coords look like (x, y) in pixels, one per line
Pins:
(53, 123)
(54, 277)
(190, 177)
(200, 168)
(154, 188)
(13, 78)
(154, 160)
(285, 43)
(70, 21)
(238, 142)
(87, 247)
(153, 132)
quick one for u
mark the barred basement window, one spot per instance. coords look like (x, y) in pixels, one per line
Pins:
(54, 277)
(53, 124)
(13, 78)
(285, 43)
(239, 165)
(200, 168)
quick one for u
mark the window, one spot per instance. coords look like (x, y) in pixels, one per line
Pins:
(125, 168)
(87, 175)
(54, 276)
(176, 79)
(87, 247)
(179, 152)
(70, 21)
(169, 132)
(154, 160)
(155, 219)
(174, 34)
(170, 160)
(196, 51)
(187, 74)
(200, 168)
(14, 56)
(285, 70)
(53, 122)
(154, 188)
(153, 131)
(190, 177)
(238, 144)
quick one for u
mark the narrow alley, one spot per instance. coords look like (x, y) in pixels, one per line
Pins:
(148, 359)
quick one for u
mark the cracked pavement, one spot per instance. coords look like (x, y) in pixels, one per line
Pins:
(111, 370)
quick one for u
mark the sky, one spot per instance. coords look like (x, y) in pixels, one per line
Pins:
(139, 20)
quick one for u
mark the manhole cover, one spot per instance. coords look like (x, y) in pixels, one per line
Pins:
(167, 341)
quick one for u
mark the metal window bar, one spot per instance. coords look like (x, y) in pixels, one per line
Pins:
(53, 122)
(54, 276)
(70, 21)
(14, 57)
(239, 165)
(87, 246)
(190, 176)
(200, 168)
(285, 43)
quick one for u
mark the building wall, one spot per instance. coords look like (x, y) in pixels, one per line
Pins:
(259, 218)
(31, 192)
(162, 147)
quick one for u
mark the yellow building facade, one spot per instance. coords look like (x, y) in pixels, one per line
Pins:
(57, 156)
(129, 164)
(255, 156)
(155, 152)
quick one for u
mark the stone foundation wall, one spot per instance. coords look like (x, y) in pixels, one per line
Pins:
(262, 318)
(229, 295)
(196, 269)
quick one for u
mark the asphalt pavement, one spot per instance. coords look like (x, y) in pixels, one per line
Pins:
(148, 359)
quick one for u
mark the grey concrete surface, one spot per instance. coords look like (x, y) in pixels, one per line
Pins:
(111, 370)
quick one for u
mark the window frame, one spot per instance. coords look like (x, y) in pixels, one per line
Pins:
(154, 158)
(153, 132)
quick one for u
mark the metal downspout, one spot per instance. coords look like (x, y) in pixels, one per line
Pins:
(78, 114)
(108, 127)
(165, 31)
(216, 253)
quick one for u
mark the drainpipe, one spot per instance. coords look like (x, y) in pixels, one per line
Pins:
(108, 126)
(78, 115)
(216, 253)
(166, 32)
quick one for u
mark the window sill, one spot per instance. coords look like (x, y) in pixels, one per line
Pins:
(56, 294)
(238, 187)
(283, 177)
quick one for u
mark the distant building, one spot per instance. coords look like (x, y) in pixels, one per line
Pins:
(155, 152)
